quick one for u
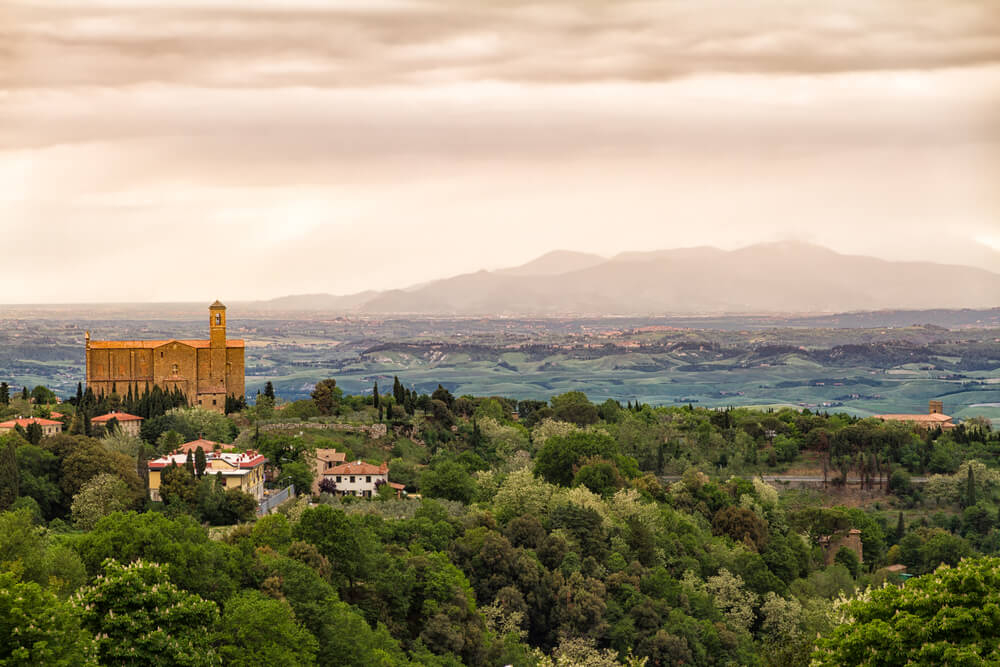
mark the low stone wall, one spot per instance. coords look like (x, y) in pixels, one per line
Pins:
(373, 431)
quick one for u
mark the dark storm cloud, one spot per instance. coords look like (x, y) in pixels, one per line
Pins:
(43, 45)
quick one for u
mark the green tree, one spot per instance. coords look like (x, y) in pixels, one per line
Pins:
(9, 477)
(269, 390)
(4, 393)
(141, 618)
(375, 397)
(347, 545)
(42, 395)
(258, 630)
(298, 473)
(573, 406)
(558, 457)
(99, 497)
(327, 396)
(36, 628)
(449, 480)
(177, 485)
(207, 567)
(949, 617)
(199, 462)
(33, 433)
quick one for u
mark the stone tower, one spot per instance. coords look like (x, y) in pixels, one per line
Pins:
(217, 342)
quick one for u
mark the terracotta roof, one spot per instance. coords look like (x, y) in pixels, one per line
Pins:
(936, 417)
(398, 487)
(120, 416)
(357, 468)
(200, 443)
(56, 415)
(24, 422)
(331, 455)
(150, 344)
(238, 460)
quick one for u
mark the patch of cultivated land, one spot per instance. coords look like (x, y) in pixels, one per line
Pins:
(740, 362)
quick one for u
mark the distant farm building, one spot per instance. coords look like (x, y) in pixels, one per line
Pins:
(935, 418)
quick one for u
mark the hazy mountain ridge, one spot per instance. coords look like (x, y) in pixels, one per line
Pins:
(777, 277)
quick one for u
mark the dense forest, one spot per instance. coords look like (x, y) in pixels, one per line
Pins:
(555, 532)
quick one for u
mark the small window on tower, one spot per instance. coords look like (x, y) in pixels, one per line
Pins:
(218, 318)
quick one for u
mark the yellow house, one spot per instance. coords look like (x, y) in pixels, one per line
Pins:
(239, 470)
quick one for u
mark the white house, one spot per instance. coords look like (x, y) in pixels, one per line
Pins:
(360, 479)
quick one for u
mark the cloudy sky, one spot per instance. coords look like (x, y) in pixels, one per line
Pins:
(193, 150)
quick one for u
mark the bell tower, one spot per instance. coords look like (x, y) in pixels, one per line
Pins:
(217, 340)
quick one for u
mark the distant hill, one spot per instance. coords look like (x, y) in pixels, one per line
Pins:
(776, 277)
(317, 302)
(554, 263)
(786, 277)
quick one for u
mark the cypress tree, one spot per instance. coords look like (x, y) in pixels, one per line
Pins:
(5, 393)
(269, 390)
(199, 462)
(34, 433)
(375, 396)
(397, 390)
(971, 490)
(79, 394)
(189, 462)
(8, 475)
(900, 528)
(24, 393)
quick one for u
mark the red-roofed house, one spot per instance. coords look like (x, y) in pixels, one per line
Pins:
(326, 459)
(49, 426)
(130, 424)
(239, 470)
(358, 478)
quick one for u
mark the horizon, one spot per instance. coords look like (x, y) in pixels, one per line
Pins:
(556, 251)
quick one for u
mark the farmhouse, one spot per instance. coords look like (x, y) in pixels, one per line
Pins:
(935, 418)
(360, 479)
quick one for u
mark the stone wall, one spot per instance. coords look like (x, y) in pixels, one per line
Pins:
(373, 431)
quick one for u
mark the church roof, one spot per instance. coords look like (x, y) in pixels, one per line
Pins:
(149, 344)
(217, 304)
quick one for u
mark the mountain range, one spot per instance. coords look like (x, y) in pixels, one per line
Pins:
(784, 277)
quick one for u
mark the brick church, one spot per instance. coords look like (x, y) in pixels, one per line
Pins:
(205, 371)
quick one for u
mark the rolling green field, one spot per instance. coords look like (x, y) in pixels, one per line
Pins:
(861, 370)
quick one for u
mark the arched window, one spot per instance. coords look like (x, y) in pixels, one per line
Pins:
(218, 318)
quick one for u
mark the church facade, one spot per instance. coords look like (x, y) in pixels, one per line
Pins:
(205, 371)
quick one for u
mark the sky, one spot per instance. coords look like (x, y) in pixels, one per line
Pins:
(188, 150)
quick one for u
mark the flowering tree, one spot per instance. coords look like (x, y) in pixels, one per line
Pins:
(140, 618)
(950, 617)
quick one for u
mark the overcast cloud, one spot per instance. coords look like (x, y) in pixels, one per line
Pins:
(243, 152)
